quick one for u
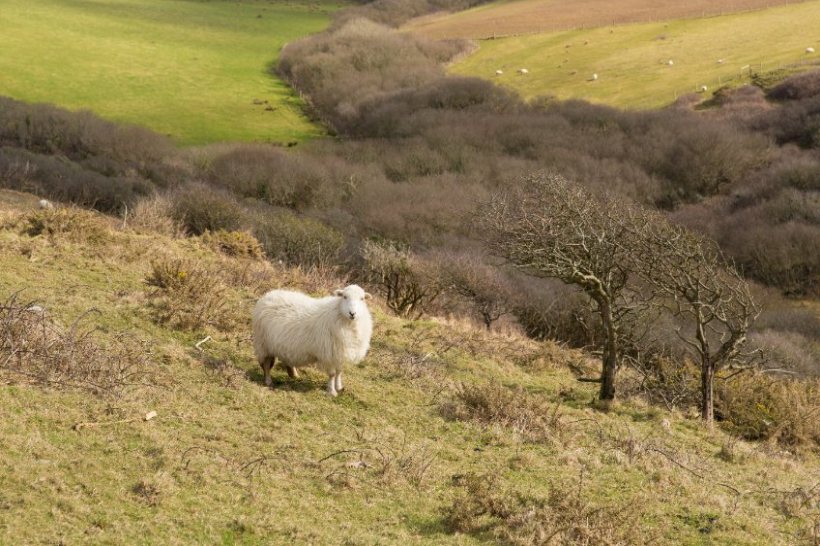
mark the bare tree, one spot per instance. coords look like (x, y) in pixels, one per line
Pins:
(552, 228)
(408, 283)
(483, 286)
(698, 285)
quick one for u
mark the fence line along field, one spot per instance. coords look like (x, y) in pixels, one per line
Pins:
(195, 70)
(511, 18)
(647, 65)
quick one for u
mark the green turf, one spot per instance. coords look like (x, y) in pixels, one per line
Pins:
(187, 68)
(631, 60)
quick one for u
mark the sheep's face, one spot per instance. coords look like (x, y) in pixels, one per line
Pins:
(352, 301)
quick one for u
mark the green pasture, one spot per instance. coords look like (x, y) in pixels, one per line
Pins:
(188, 68)
(632, 61)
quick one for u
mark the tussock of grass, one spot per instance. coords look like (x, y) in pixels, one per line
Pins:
(533, 417)
(564, 517)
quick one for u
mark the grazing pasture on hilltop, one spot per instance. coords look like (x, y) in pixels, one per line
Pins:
(646, 65)
(508, 18)
(197, 71)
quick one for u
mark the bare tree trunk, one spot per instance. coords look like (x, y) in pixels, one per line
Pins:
(707, 407)
(707, 374)
(610, 356)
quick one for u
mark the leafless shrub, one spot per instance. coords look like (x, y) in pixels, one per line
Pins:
(35, 348)
(381, 460)
(200, 208)
(298, 240)
(564, 517)
(407, 283)
(492, 404)
(799, 87)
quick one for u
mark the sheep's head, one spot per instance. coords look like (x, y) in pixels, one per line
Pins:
(352, 301)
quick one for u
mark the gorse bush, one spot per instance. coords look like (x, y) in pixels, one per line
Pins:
(234, 243)
(71, 224)
(188, 296)
(759, 407)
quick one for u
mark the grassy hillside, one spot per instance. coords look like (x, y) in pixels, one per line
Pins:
(631, 61)
(445, 434)
(516, 17)
(188, 69)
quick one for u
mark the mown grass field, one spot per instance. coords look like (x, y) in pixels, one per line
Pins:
(185, 68)
(631, 61)
(516, 17)
(228, 461)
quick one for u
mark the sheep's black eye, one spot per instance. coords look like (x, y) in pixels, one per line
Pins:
(345, 297)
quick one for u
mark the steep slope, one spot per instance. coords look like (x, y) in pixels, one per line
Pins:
(446, 433)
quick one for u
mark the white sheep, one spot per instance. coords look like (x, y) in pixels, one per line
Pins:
(301, 331)
(45, 204)
(809, 50)
(523, 71)
(670, 62)
(499, 72)
(594, 77)
(703, 89)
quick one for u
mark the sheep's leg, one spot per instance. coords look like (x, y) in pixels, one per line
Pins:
(267, 364)
(331, 384)
(338, 385)
(292, 372)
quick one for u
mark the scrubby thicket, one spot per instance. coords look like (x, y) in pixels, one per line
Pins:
(393, 199)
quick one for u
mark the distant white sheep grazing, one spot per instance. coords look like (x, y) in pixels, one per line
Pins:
(720, 61)
(594, 77)
(703, 89)
(45, 204)
(523, 71)
(670, 62)
(499, 72)
(809, 50)
(302, 331)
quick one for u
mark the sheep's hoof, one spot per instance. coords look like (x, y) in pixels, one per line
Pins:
(334, 394)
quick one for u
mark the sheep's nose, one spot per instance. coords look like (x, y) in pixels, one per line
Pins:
(352, 314)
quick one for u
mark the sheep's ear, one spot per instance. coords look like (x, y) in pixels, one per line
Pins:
(368, 295)
(337, 293)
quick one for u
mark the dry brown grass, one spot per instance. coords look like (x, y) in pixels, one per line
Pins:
(492, 404)
(532, 16)
(155, 215)
(565, 517)
(234, 243)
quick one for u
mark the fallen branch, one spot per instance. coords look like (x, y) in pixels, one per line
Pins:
(147, 417)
